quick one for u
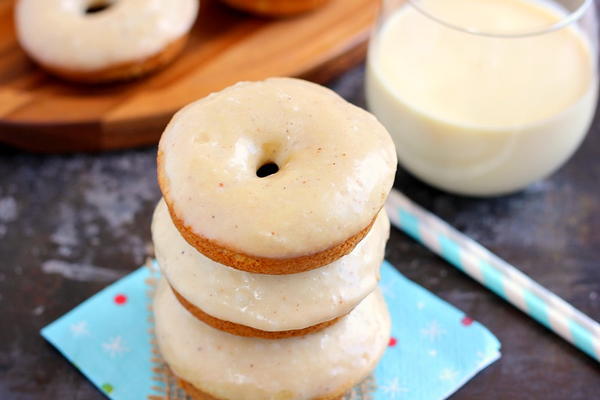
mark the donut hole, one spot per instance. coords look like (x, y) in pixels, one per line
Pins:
(268, 168)
(96, 6)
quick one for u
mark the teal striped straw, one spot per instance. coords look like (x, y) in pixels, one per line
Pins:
(495, 274)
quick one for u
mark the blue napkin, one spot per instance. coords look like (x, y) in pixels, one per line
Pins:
(433, 351)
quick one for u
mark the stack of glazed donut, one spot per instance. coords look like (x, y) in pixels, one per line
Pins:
(270, 236)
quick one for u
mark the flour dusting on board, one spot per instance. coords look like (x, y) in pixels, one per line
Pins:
(80, 272)
(8, 213)
(112, 197)
(8, 209)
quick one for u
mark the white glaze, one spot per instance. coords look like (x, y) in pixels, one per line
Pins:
(59, 33)
(269, 302)
(239, 368)
(336, 162)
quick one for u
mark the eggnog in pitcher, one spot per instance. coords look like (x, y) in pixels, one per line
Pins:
(481, 114)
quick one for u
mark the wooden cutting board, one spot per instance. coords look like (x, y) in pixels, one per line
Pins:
(43, 114)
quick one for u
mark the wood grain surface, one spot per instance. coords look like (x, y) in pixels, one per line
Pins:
(44, 114)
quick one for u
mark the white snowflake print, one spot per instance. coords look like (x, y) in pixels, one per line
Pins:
(420, 305)
(115, 347)
(432, 352)
(79, 329)
(394, 389)
(433, 331)
(448, 374)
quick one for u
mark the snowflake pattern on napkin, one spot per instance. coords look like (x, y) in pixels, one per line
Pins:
(433, 351)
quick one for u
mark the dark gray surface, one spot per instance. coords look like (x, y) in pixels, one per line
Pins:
(69, 225)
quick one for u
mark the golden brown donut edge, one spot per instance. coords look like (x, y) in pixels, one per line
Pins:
(255, 264)
(243, 330)
(118, 72)
(275, 8)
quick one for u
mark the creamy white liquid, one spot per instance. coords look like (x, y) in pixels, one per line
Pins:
(481, 115)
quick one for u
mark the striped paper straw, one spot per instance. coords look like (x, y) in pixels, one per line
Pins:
(495, 274)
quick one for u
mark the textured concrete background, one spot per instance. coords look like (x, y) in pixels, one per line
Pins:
(70, 225)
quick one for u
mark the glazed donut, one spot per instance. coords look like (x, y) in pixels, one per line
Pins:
(212, 364)
(268, 306)
(276, 177)
(275, 8)
(103, 40)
